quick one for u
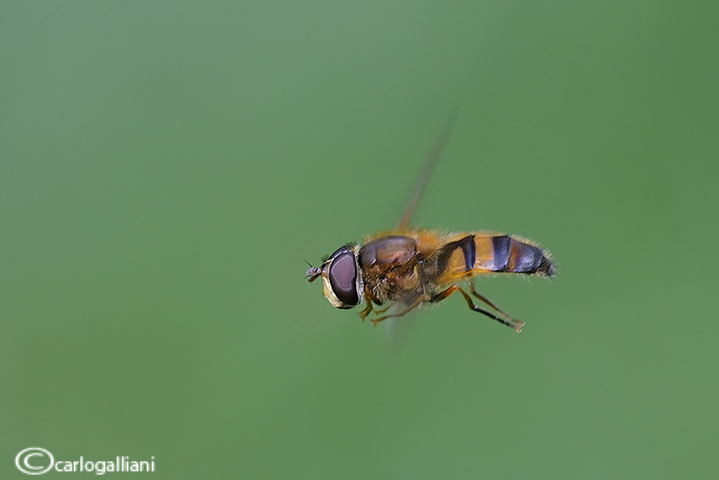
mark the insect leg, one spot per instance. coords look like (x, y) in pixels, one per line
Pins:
(409, 308)
(382, 310)
(369, 298)
(489, 302)
(368, 309)
(509, 321)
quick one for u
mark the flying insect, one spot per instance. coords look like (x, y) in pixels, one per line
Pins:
(408, 267)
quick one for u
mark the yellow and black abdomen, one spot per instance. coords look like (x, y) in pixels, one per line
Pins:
(475, 254)
(504, 253)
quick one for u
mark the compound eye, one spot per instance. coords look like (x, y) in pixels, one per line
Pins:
(343, 277)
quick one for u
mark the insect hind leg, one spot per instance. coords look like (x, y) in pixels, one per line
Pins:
(507, 320)
(489, 302)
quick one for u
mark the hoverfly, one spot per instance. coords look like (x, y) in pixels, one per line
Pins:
(408, 267)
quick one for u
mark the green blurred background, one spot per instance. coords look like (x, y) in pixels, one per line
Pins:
(166, 167)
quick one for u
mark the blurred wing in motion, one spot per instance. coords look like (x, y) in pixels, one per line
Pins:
(431, 161)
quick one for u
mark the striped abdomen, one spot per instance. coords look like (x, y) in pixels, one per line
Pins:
(479, 253)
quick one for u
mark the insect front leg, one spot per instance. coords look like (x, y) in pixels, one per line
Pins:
(368, 309)
(369, 298)
(509, 321)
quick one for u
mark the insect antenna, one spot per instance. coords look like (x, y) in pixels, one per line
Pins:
(312, 273)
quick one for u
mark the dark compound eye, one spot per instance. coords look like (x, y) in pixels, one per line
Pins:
(343, 276)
